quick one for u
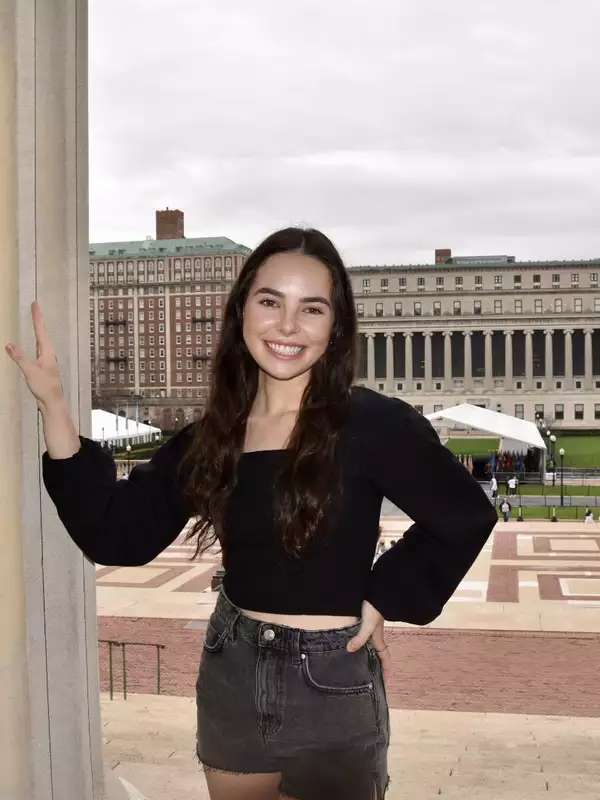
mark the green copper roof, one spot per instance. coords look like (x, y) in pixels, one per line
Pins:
(208, 245)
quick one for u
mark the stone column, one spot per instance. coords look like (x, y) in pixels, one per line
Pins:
(389, 358)
(528, 359)
(370, 358)
(548, 371)
(508, 360)
(468, 379)
(568, 358)
(447, 360)
(488, 381)
(427, 335)
(49, 703)
(408, 359)
(587, 380)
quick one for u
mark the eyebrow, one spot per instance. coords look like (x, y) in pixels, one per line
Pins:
(277, 293)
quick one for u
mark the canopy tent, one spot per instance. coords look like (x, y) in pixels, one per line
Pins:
(516, 435)
(118, 430)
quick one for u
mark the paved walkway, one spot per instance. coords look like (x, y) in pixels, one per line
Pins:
(498, 698)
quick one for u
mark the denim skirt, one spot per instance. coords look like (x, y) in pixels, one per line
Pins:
(272, 698)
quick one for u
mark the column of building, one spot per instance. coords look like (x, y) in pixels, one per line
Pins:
(48, 659)
(389, 359)
(448, 360)
(548, 366)
(587, 379)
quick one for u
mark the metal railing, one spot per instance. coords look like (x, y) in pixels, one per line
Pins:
(122, 645)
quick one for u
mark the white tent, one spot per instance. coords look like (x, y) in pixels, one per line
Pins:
(117, 430)
(516, 434)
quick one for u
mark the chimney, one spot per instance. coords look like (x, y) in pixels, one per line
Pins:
(169, 224)
(442, 255)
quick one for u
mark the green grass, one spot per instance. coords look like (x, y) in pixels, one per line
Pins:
(580, 451)
(539, 512)
(568, 489)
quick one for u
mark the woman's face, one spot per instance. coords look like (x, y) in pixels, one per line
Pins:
(288, 314)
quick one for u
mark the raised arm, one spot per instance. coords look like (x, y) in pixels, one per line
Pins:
(453, 518)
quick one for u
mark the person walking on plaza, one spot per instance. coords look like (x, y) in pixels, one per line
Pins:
(506, 508)
(512, 485)
(286, 468)
(589, 516)
(493, 488)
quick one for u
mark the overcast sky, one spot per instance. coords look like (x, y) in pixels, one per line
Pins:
(393, 126)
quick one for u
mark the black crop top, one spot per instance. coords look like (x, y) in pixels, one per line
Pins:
(389, 450)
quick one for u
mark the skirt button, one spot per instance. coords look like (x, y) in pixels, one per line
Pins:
(269, 634)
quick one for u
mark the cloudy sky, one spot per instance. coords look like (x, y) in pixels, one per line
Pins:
(394, 127)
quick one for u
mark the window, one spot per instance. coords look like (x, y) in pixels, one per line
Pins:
(574, 279)
(555, 279)
(539, 410)
(537, 306)
(402, 283)
(594, 279)
(439, 283)
(366, 287)
(596, 410)
(497, 281)
(497, 306)
(518, 306)
(458, 281)
(397, 309)
(519, 410)
(384, 284)
(456, 308)
(417, 308)
(379, 309)
(578, 410)
(578, 304)
(437, 308)
(559, 411)
(478, 282)
(517, 281)
(477, 306)
(558, 304)
(421, 284)
(360, 309)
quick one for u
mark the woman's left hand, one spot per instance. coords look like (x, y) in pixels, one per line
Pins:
(371, 630)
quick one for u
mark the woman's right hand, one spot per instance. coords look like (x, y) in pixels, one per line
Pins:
(42, 375)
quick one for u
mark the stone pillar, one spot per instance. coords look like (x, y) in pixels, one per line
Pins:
(427, 382)
(528, 359)
(49, 703)
(548, 371)
(587, 380)
(468, 379)
(370, 358)
(568, 358)
(408, 359)
(389, 358)
(508, 360)
(488, 380)
(447, 360)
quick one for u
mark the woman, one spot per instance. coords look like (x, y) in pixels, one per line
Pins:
(287, 469)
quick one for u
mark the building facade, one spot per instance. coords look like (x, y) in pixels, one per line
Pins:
(155, 314)
(522, 338)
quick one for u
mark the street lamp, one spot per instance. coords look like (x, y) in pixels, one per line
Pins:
(128, 448)
(553, 440)
(561, 453)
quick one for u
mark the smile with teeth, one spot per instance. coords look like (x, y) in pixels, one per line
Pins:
(284, 350)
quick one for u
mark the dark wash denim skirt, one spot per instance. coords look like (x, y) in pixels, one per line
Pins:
(272, 698)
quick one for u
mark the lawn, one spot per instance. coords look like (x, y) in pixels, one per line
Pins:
(581, 452)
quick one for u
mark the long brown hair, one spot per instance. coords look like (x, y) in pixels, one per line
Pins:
(308, 486)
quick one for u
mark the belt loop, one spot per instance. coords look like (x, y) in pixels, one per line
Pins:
(232, 625)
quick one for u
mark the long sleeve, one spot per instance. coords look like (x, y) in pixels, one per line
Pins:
(125, 522)
(452, 516)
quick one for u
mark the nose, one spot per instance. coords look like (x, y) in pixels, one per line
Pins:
(288, 322)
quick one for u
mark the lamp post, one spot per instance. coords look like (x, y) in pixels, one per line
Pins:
(553, 441)
(128, 448)
(561, 453)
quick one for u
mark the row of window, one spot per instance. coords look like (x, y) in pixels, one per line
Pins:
(459, 307)
(519, 410)
(443, 281)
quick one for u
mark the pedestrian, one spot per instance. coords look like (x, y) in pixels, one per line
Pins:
(589, 516)
(493, 488)
(506, 508)
(512, 485)
(287, 466)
